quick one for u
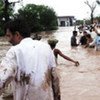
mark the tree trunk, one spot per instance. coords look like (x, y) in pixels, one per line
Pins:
(6, 15)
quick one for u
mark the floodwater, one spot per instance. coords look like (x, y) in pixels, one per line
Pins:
(76, 83)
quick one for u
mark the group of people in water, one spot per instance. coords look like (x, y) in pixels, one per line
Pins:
(87, 38)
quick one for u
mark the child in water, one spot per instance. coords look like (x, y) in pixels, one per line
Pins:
(52, 43)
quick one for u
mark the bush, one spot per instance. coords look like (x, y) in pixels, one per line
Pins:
(1, 32)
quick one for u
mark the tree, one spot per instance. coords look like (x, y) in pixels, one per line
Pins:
(8, 8)
(98, 19)
(38, 17)
(92, 8)
(6, 12)
(1, 17)
(98, 2)
(48, 18)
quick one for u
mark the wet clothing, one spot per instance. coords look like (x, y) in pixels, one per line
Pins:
(83, 40)
(93, 35)
(96, 42)
(30, 64)
(73, 41)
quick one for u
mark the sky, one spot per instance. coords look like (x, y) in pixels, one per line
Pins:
(75, 8)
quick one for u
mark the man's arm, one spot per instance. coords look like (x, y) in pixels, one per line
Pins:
(5, 78)
(55, 84)
(7, 69)
(67, 58)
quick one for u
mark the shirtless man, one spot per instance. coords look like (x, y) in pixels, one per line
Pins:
(57, 52)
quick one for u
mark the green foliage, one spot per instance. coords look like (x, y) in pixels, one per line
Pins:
(38, 17)
(2, 15)
(97, 18)
(88, 22)
(48, 18)
(79, 22)
(1, 32)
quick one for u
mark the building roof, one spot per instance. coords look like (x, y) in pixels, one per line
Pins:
(65, 16)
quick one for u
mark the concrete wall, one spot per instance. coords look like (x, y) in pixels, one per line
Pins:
(66, 21)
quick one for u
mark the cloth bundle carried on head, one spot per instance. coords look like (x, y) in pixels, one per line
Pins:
(52, 41)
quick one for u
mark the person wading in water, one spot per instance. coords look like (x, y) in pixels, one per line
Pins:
(52, 43)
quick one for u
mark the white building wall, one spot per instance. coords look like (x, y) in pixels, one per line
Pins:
(65, 20)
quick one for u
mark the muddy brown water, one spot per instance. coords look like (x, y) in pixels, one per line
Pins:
(76, 83)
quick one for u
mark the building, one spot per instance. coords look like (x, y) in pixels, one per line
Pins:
(66, 20)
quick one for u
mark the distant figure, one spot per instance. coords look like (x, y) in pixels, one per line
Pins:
(83, 40)
(80, 28)
(89, 40)
(96, 41)
(73, 39)
(57, 52)
(93, 33)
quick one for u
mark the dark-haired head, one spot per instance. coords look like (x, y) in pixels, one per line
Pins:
(88, 36)
(74, 33)
(16, 30)
(18, 25)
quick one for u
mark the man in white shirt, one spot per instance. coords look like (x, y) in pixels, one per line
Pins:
(96, 41)
(29, 64)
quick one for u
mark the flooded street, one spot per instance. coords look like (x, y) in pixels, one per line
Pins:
(77, 83)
